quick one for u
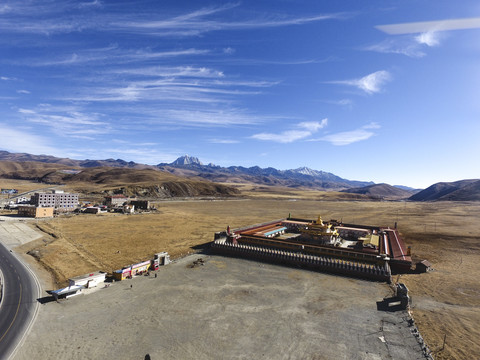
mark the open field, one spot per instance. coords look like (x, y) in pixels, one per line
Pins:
(447, 234)
(20, 185)
(256, 191)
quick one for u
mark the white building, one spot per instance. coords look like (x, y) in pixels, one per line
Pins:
(88, 280)
(56, 200)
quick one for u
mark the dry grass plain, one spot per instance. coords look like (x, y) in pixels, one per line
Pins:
(20, 185)
(445, 301)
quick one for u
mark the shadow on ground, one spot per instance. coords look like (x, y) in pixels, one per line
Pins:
(46, 299)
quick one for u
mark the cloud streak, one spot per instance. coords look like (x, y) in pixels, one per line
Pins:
(403, 46)
(66, 17)
(114, 55)
(371, 83)
(305, 129)
(350, 137)
(220, 117)
(195, 24)
(19, 140)
(66, 122)
(429, 38)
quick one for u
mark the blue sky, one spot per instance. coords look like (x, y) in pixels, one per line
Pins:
(386, 91)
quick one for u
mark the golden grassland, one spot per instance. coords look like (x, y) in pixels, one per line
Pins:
(445, 301)
(276, 192)
(20, 185)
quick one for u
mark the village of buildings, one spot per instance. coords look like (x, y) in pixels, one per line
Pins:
(56, 202)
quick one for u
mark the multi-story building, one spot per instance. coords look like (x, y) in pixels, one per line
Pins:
(34, 211)
(115, 200)
(58, 200)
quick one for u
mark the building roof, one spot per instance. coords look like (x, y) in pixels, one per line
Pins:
(68, 290)
(425, 263)
(92, 274)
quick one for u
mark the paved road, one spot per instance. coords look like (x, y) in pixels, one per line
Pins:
(19, 302)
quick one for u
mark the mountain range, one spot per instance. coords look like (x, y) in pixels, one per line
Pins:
(295, 178)
(189, 167)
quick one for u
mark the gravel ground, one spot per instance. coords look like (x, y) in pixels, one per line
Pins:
(225, 309)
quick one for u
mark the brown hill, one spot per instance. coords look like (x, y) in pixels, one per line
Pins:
(21, 157)
(29, 170)
(107, 180)
(187, 166)
(470, 192)
(462, 190)
(381, 191)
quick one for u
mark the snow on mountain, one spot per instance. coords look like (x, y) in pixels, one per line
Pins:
(187, 160)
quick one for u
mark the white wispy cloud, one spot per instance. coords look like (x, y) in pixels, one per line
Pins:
(262, 62)
(203, 117)
(404, 46)
(341, 102)
(372, 125)
(350, 137)
(143, 153)
(371, 83)
(197, 22)
(56, 17)
(284, 137)
(115, 55)
(22, 91)
(164, 91)
(224, 141)
(95, 3)
(166, 84)
(313, 126)
(20, 140)
(4, 9)
(171, 71)
(26, 111)
(289, 136)
(140, 154)
(429, 38)
(68, 122)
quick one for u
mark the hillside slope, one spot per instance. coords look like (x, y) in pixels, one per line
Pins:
(24, 157)
(381, 191)
(107, 180)
(462, 190)
(189, 166)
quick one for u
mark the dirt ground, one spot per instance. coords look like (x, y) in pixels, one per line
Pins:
(225, 308)
(445, 301)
